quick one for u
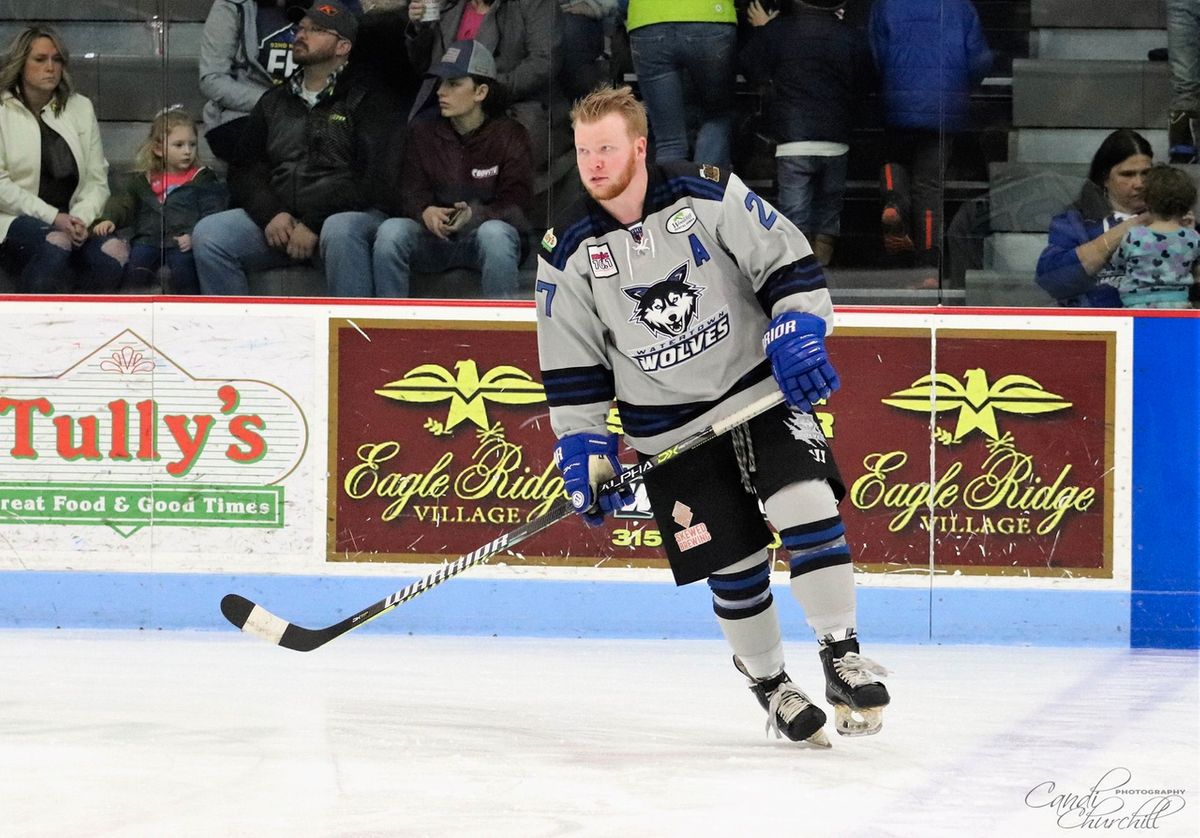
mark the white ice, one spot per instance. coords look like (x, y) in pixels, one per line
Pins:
(193, 734)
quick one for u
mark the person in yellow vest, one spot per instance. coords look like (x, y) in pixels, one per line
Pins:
(684, 54)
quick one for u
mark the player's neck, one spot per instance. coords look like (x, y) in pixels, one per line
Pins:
(627, 207)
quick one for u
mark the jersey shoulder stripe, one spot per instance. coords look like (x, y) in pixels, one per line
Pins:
(580, 223)
(578, 385)
(804, 274)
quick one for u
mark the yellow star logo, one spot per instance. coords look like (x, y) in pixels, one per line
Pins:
(467, 392)
(976, 402)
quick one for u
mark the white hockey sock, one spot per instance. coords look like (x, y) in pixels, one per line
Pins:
(806, 516)
(827, 596)
(746, 614)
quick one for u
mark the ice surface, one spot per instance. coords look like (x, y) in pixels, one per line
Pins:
(192, 734)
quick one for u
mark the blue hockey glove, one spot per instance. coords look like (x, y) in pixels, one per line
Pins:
(587, 460)
(795, 344)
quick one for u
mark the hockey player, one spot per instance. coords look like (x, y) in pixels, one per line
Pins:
(684, 296)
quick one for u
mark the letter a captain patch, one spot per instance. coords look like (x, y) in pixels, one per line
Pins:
(601, 260)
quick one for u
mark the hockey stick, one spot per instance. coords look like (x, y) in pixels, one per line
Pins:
(254, 619)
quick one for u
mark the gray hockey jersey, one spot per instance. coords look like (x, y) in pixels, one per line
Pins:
(667, 318)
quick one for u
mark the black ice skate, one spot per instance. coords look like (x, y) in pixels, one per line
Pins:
(790, 712)
(851, 686)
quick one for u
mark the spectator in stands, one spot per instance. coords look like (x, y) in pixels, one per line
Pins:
(583, 27)
(684, 54)
(310, 149)
(1160, 260)
(164, 196)
(245, 51)
(53, 175)
(818, 69)
(466, 184)
(929, 55)
(1075, 267)
(1183, 53)
(524, 36)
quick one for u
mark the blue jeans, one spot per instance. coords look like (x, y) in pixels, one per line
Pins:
(662, 53)
(145, 259)
(811, 189)
(1183, 53)
(346, 241)
(582, 45)
(46, 268)
(228, 245)
(403, 245)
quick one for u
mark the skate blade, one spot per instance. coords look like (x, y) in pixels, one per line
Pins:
(819, 740)
(851, 722)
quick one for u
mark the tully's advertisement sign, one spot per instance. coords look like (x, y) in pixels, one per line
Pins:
(1000, 456)
(126, 438)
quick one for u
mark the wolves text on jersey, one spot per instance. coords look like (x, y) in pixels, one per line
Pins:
(668, 309)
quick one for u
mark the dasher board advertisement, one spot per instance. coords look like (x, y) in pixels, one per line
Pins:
(132, 442)
(966, 451)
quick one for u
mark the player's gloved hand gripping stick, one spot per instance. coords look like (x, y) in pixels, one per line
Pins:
(587, 462)
(795, 343)
(254, 619)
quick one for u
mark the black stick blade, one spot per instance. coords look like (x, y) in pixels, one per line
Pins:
(236, 609)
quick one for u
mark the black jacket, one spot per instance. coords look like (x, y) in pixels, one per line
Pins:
(314, 162)
(819, 69)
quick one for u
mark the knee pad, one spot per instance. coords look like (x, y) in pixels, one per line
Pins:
(742, 589)
(806, 516)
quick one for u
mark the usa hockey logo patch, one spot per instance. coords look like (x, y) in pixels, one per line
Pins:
(601, 260)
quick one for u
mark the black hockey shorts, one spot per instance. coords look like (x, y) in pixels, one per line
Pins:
(707, 518)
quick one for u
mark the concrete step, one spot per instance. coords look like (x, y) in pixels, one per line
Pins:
(1013, 252)
(1023, 197)
(127, 88)
(108, 10)
(1075, 145)
(1099, 14)
(1089, 94)
(1096, 44)
(1004, 288)
(141, 37)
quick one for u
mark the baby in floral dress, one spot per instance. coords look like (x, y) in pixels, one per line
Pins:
(1161, 259)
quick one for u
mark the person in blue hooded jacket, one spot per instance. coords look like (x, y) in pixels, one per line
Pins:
(929, 54)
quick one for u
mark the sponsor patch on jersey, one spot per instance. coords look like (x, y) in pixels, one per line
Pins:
(601, 261)
(549, 240)
(693, 537)
(710, 173)
(480, 174)
(681, 221)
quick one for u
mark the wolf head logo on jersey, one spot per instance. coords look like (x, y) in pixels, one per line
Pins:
(668, 306)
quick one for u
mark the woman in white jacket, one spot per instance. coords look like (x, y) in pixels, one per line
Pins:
(53, 175)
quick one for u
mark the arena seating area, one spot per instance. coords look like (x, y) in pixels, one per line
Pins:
(1066, 74)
